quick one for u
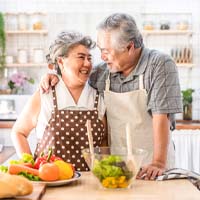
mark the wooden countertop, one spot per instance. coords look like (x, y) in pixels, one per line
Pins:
(88, 188)
(188, 124)
(6, 153)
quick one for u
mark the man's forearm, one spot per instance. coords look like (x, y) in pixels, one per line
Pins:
(161, 139)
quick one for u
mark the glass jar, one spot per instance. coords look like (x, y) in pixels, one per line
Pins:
(148, 25)
(36, 21)
(22, 56)
(9, 59)
(182, 25)
(11, 24)
(164, 25)
(22, 21)
(38, 55)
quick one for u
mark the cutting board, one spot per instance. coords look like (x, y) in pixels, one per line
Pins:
(38, 191)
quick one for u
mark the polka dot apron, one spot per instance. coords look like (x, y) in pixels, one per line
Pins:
(66, 133)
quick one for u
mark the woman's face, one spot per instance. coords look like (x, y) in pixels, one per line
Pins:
(76, 67)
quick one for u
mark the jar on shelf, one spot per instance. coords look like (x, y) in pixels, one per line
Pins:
(11, 24)
(148, 26)
(36, 22)
(9, 59)
(22, 21)
(164, 25)
(22, 56)
(182, 25)
(38, 55)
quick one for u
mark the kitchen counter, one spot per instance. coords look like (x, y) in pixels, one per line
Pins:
(6, 124)
(88, 188)
(188, 124)
(6, 153)
(180, 124)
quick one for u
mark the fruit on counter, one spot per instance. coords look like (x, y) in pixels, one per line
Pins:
(13, 185)
(46, 167)
(65, 169)
(112, 172)
(49, 172)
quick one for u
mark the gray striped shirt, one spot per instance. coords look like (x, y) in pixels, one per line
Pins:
(160, 81)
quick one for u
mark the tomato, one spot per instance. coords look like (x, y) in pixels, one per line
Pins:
(49, 172)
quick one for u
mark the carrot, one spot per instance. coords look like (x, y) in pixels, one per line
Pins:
(17, 168)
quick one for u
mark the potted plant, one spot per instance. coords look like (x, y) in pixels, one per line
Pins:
(2, 42)
(187, 103)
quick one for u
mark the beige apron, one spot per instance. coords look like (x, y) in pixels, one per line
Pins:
(131, 107)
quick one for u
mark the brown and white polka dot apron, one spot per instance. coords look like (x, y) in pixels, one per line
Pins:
(66, 133)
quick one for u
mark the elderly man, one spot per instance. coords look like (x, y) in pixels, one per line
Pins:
(140, 88)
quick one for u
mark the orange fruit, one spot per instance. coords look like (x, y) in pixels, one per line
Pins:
(65, 170)
(49, 172)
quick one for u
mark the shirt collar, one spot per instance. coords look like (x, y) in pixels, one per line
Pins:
(142, 63)
(140, 67)
(83, 99)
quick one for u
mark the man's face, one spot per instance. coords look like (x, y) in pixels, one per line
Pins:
(116, 59)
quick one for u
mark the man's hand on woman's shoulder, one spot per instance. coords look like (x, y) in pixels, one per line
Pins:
(47, 81)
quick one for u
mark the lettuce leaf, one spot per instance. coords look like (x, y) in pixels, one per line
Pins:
(29, 176)
(26, 158)
(3, 168)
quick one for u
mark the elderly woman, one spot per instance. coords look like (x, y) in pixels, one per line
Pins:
(60, 116)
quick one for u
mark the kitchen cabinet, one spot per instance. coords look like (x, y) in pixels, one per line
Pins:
(171, 33)
(187, 149)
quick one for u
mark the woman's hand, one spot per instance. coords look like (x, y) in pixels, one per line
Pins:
(150, 172)
(47, 81)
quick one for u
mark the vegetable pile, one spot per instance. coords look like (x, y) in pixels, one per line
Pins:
(45, 168)
(112, 172)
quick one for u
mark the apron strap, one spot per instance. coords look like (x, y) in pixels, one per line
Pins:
(96, 101)
(108, 83)
(141, 84)
(55, 105)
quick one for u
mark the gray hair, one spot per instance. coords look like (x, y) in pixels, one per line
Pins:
(64, 42)
(125, 29)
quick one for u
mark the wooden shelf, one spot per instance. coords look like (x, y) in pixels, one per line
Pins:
(187, 121)
(42, 32)
(187, 65)
(167, 32)
(26, 65)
